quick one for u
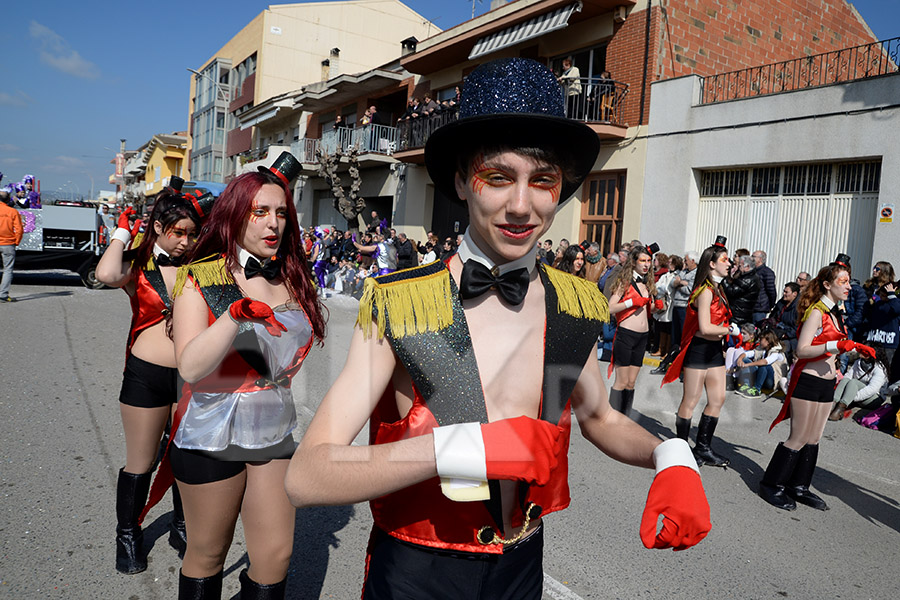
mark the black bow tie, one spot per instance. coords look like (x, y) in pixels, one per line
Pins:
(164, 260)
(477, 279)
(270, 269)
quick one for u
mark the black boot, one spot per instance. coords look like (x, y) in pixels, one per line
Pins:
(204, 588)
(771, 488)
(627, 401)
(703, 448)
(682, 428)
(616, 399)
(797, 486)
(177, 530)
(250, 590)
(131, 495)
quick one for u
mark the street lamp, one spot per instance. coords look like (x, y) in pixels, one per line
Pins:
(221, 91)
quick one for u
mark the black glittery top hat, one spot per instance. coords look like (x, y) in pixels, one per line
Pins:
(285, 167)
(720, 241)
(843, 260)
(653, 248)
(202, 203)
(176, 183)
(514, 102)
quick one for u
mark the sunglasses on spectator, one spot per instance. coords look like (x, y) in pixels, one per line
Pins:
(876, 268)
(802, 279)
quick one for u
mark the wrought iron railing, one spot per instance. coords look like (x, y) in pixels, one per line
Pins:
(374, 139)
(828, 68)
(415, 132)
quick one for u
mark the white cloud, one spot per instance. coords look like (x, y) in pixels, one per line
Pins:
(18, 98)
(56, 52)
(8, 148)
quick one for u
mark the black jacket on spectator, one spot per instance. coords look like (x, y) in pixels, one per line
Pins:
(742, 293)
(767, 294)
(783, 319)
(345, 249)
(853, 311)
(882, 320)
(406, 256)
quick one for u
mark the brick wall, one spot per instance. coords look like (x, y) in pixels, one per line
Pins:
(705, 37)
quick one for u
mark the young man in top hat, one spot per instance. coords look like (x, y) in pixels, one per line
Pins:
(467, 370)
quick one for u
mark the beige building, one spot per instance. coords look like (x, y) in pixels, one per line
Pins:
(282, 49)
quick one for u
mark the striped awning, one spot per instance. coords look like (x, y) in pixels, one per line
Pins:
(538, 26)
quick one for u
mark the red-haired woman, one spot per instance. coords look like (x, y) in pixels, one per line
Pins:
(633, 297)
(149, 386)
(708, 320)
(243, 323)
(811, 389)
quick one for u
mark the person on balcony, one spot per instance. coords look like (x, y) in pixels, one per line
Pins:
(570, 80)
(429, 106)
(412, 111)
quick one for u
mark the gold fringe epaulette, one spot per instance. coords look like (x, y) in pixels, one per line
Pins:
(413, 301)
(696, 293)
(206, 271)
(578, 297)
(818, 305)
(136, 241)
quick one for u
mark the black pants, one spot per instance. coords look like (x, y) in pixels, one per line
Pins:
(399, 570)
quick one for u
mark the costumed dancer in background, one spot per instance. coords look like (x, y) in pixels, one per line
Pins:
(149, 386)
(384, 251)
(468, 370)
(244, 321)
(318, 256)
(632, 301)
(32, 197)
(19, 194)
(822, 336)
(702, 355)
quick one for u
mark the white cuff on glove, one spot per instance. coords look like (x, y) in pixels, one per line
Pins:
(628, 303)
(831, 347)
(733, 329)
(121, 234)
(674, 453)
(459, 452)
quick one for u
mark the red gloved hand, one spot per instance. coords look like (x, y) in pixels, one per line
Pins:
(677, 494)
(658, 304)
(136, 228)
(123, 218)
(640, 302)
(253, 310)
(865, 351)
(522, 449)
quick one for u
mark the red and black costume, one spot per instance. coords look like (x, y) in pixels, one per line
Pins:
(632, 344)
(719, 314)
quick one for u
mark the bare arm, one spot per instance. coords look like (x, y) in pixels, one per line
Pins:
(612, 432)
(199, 347)
(805, 347)
(112, 270)
(362, 248)
(704, 302)
(615, 303)
(326, 469)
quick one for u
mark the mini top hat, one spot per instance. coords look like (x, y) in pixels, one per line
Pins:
(720, 241)
(202, 203)
(653, 248)
(28, 179)
(515, 102)
(285, 168)
(176, 183)
(842, 260)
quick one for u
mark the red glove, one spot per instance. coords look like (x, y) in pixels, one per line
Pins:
(123, 218)
(677, 494)
(136, 228)
(253, 310)
(640, 302)
(522, 449)
(658, 304)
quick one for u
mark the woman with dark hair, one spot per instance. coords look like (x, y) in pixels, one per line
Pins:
(573, 261)
(811, 389)
(245, 319)
(633, 292)
(861, 385)
(708, 320)
(149, 387)
(881, 314)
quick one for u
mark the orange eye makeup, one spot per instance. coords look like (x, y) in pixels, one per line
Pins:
(842, 280)
(549, 182)
(178, 233)
(260, 212)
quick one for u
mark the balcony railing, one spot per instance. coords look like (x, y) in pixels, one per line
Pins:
(828, 68)
(374, 139)
(598, 101)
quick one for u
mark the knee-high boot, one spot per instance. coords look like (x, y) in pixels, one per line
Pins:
(616, 399)
(771, 488)
(131, 495)
(797, 486)
(250, 590)
(627, 401)
(703, 448)
(682, 427)
(203, 588)
(177, 530)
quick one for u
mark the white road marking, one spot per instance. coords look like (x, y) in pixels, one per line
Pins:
(558, 591)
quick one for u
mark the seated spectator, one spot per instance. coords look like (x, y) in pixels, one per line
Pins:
(861, 385)
(761, 367)
(742, 291)
(331, 272)
(736, 348)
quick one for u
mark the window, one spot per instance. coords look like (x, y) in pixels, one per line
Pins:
(724, 183)
(766, 181)
(602, 210)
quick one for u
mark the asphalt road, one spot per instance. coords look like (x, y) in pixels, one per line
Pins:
(61, 444)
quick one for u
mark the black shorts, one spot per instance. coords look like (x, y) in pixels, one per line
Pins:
(814, 389)
(400, 570)
(146, 385)
(199, 466)
(704, 354)
(629, 347)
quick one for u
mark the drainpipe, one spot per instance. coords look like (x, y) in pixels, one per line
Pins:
(646, 61)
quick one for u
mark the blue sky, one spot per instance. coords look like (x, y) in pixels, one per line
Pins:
(78, 76)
